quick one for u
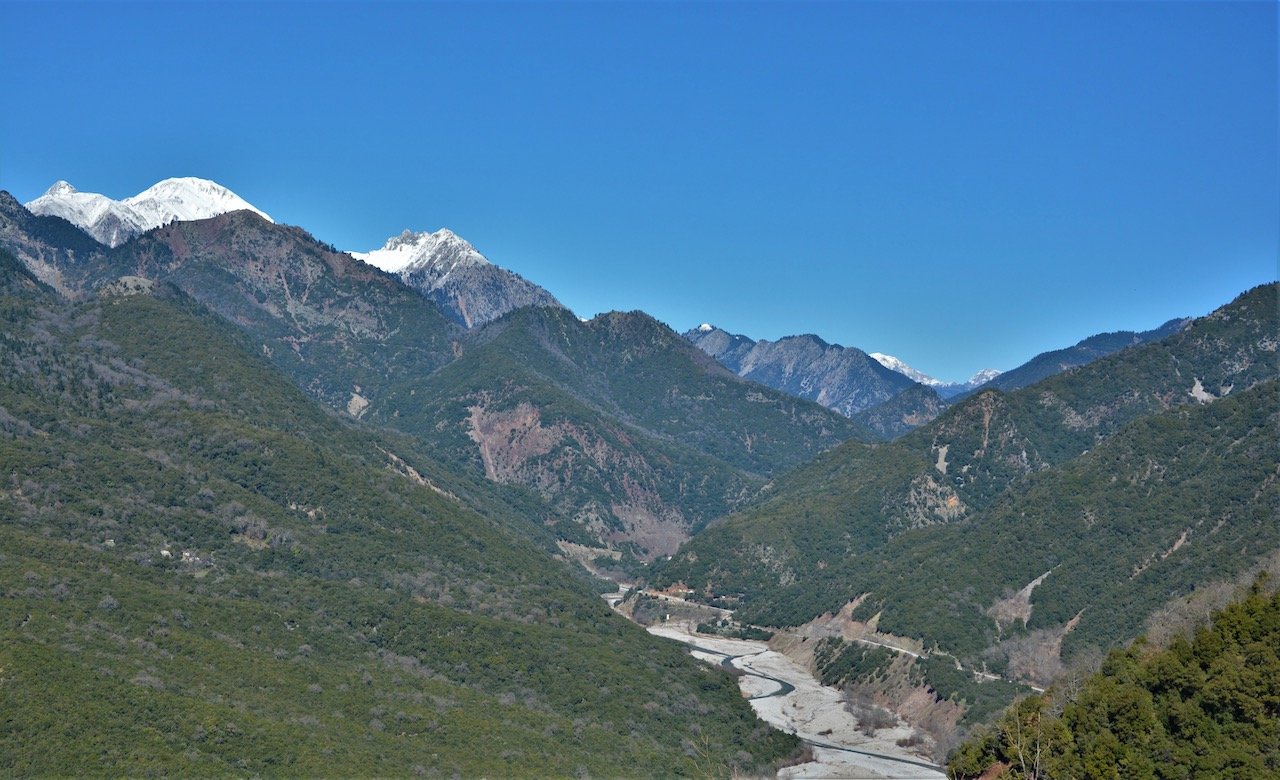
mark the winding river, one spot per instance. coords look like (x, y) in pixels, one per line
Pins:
(786, 695)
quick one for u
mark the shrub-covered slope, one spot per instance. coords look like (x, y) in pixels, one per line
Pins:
(1172, 501)
(1178, 485)
(201, 572)
(1206, 706)
(616, 432)
(636, 437)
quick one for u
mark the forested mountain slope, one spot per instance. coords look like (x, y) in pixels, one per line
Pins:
(1076, 558)
(1206, 706)
(633, 434)
(1178, 485)
(203, 572)
(644, 438)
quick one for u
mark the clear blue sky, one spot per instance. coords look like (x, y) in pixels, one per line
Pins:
(960, 184)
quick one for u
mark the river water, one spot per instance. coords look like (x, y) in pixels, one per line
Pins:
(785, 695)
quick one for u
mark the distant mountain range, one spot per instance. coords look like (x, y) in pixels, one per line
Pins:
(472, 291)
(945, 389)
(1046, 364)
(844, 379)
(868, 387)
(441, 265)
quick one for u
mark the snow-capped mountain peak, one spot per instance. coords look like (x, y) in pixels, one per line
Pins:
(186, 199)
(894, 364)
(115, 221)
(945, 389)
(445, 250)
(440, 251)
(406, 239)
(984, 376)
(447, 269)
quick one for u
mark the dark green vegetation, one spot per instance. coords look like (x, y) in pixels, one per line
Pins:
(614, 432)
(1113, 481)
(728, 628)
(204, 573)
(851, 664)
(906, 411)
(631, 433)
(1208, 706)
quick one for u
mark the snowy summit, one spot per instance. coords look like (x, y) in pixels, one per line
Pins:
(447, 269)
(441, 251)
(115, 221)
(893, 364)
(945, 389)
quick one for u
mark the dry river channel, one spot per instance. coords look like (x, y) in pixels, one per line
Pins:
(785, 695)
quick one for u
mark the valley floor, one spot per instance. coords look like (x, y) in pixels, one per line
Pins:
(788, 697)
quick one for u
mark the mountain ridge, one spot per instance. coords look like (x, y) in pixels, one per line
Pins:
(844, 379)
(1081, 353)
(817, 539)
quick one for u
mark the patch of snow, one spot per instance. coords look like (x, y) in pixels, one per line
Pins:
(186, 199)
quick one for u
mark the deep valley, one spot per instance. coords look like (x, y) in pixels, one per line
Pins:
(267, 509)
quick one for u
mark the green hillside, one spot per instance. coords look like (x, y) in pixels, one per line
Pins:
(1174, 500)
(202, 572)
(636, 437)
(614, 433)
(1206, 706)
(1114, 480)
